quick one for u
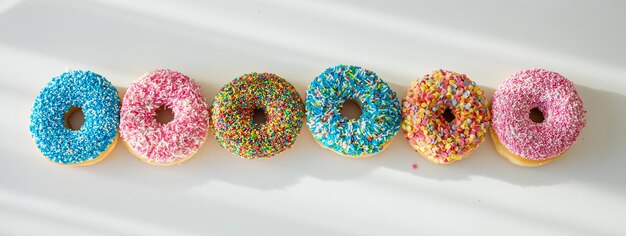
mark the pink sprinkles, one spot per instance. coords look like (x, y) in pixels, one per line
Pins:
(555, 96)
(164, 143)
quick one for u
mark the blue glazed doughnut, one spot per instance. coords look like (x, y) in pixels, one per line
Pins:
(368, 135)
(49, 126)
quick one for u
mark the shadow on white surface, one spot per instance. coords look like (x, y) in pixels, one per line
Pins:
(154, 30)
(309, 182)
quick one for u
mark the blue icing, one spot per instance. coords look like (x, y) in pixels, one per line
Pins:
(100, 104)
(380, 119)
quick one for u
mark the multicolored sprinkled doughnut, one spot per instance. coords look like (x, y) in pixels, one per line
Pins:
(368, 135)
(445, 116)
(101, 107)
(175, 141)
(530, 143)
(233, 108)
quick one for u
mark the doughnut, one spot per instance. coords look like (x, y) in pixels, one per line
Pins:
(559, 117)
(175, 141)
(233, 109)
(445, 116)
(69, 92)
(365, 136)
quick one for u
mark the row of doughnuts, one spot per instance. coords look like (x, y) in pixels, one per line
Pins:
(534, 116)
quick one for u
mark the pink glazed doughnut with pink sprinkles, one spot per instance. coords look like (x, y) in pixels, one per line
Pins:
(537, 116)
(172, 142)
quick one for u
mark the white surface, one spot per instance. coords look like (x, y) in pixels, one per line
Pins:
(307, 190)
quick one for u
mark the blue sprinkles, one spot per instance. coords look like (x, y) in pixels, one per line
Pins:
(101, 106)
(380, 119)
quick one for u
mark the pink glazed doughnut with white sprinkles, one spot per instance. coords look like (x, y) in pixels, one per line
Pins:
(537, 116)
(175, 141)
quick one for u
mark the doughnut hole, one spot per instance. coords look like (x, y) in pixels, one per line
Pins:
(74, 118)
(164, 115)
(351, 109)
(536, 115)
(258, 116)
(448, 115)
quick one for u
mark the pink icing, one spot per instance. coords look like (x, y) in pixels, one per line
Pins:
(176, 140)
(555, 96)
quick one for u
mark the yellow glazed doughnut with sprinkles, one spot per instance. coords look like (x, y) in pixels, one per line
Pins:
(445, 116)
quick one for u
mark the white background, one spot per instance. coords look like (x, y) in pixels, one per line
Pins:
(307, 190)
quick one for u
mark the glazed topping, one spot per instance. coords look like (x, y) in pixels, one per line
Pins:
(367, 135)
(176, 140)
(545, 91)
(234, 106)
(445, 115)
(101, 106)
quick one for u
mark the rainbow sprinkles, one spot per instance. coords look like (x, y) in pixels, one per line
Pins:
(442, 139)
(234, 106)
